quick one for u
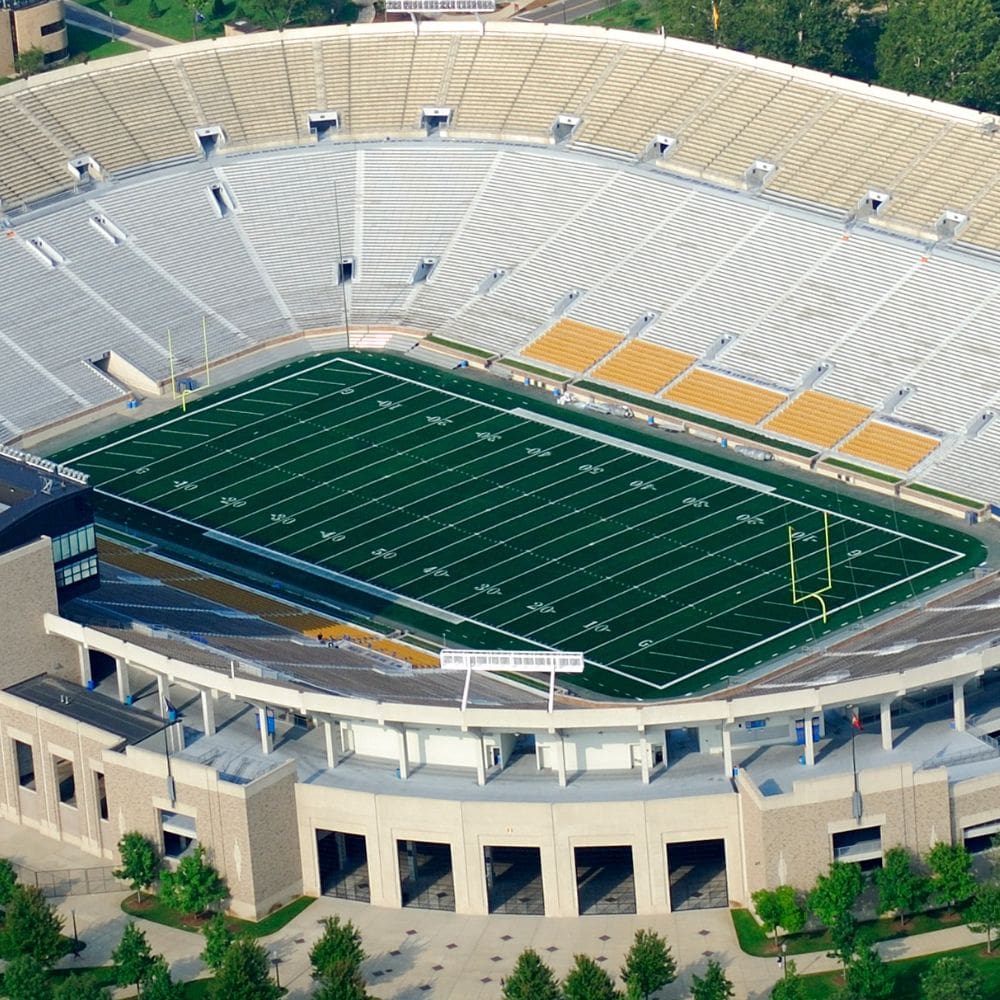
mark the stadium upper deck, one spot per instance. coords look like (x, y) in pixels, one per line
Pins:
(830, 142)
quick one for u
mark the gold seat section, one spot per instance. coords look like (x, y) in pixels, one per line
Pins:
(892, 447)
(644, 366)
(727, 397)
(818, 418)
(572, 345)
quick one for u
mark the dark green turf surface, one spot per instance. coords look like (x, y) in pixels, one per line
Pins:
(668, 567)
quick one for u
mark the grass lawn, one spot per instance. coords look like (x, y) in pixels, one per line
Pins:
(152, 909)
(93, 45)
(824, 985)
(166, 17)
(754, 941)
(633, 15)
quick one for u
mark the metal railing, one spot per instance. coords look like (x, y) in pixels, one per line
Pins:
(71, 881)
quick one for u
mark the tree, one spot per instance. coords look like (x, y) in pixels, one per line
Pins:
(951, 873)
(26, 979)
(802, 32)
(244, 974)
(78, 987)
(338, 946)
(940, 49)
(133, 958)
(30, 61)
(779, 908)
(836, 892)
(648, 964)
(951, 979)
(713, 985)
(194, 886)
(844, 935)
(32, 927)
(8, 882)
(158, 984)
(984, 912)
(218, 938)
(342, 982)
(790, 986)
(140, 862)
(868, 977)
(531, 979)
(900, 888)
(274, 14)
(588, 981)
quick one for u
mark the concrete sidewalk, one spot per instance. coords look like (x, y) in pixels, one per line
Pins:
(416, 954)
(93, 20)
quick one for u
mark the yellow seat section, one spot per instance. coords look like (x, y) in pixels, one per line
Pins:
(572, 345)
(644, 366)
(372, 640)
(728, 397)
(890, 446)
(818, 418)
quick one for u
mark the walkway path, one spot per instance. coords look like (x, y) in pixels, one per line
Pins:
(85, 17)
(418, 954)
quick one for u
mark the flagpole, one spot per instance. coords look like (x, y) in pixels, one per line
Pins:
(855, 724)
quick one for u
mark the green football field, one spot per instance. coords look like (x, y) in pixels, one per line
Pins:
(511, 522)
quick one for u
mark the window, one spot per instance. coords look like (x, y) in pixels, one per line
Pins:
(102, 794)
(861, 845)
(74, 572)
(58, 56)
(178, 833)
(25, 764)
(65, 780)
(73, 543)
(51, 29)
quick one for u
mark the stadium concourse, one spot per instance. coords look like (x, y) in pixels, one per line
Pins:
(276, 246)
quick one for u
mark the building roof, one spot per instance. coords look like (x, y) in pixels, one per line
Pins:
(28, 483)
(132, 725)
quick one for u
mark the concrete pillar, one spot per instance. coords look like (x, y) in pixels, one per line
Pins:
(490, 871)
(124, 683)
(163, 691)
(208, 712)
(958, 699)
(404, 757)
(266, 743)
(331, 747)
(644, 758)
(561, 760)
(886, 723)
(86, 677)
(481, 761)
(810, 746)
(727, 750)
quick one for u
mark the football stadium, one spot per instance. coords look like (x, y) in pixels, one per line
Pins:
(497, 467)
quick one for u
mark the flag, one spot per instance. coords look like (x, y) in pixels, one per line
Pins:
(715, 16)
(856, 721)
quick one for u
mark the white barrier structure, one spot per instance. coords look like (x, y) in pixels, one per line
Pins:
(520, 661)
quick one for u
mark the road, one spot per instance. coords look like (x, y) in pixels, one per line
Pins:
(563, 11)
(92, 20)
